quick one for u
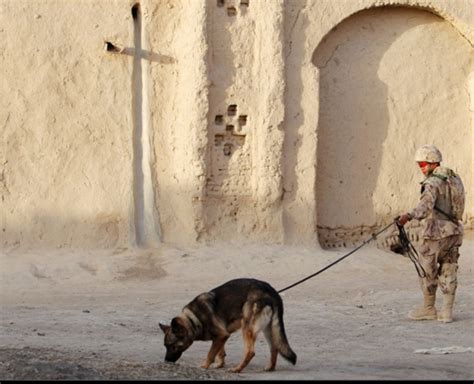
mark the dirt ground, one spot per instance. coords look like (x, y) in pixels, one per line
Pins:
(70, 314)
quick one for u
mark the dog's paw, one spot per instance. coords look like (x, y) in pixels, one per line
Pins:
(235, 369)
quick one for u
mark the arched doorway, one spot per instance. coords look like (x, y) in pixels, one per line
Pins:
(391, 79)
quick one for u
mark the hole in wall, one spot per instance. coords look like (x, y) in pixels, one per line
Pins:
(243, 120)
(135, 9)
(229, 128)
(244, 3)
(231, 11)
(220, 3)
(219, 120)
(227, 149)
(110, 47)
(218, 139)
(232, 110)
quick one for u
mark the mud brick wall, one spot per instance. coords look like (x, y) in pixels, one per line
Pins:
(135, 123)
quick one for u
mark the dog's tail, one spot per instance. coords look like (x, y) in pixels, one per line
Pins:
(279, 336)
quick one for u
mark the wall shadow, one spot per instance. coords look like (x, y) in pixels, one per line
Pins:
(295, 37)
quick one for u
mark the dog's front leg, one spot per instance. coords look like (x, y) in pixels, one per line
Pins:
(220, 360)
(217, 346)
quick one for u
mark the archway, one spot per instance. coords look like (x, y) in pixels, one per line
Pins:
(391, 79)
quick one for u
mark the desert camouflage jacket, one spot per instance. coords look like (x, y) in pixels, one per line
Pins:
(436, 225)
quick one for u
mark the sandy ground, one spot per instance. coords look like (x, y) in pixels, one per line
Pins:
(94, 314)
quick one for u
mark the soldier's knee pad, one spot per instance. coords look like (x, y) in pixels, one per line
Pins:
(448, 278)
(429, 285)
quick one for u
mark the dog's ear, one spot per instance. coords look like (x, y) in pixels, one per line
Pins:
(164, 327)
(178, 327)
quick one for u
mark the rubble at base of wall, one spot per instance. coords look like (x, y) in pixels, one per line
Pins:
(350, 237)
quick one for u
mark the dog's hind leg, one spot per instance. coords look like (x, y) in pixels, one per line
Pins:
(273, 349)
(216, 347)
(257, 316)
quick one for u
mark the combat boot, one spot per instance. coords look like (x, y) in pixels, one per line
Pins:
(427, 311)
(446, 313)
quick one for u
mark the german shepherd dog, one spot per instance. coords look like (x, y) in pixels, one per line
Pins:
(249, 304)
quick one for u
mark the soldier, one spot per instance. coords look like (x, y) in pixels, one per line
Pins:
(441, 205)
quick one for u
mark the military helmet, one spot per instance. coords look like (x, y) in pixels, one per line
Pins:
(428, 153)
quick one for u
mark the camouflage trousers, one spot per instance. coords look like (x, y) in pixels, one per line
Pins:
(439, 259)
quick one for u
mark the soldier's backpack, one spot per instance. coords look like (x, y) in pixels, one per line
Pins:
(455, 192)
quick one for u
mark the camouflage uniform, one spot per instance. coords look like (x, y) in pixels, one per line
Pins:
(442, 237)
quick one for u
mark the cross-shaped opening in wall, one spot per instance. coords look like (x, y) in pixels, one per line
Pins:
(227, 127)
(232, 121)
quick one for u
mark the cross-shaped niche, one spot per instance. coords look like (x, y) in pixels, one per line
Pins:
(227, 126)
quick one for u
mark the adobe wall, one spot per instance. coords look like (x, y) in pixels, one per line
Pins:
(235, 121)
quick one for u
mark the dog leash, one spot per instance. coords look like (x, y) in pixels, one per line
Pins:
(373, 237)
(410, 250)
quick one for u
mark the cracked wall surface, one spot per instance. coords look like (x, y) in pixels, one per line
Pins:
(184, 121)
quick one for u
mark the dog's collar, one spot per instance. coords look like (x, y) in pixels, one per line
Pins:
(195, 323)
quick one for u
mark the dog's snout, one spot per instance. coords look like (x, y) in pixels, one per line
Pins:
(172, 357)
